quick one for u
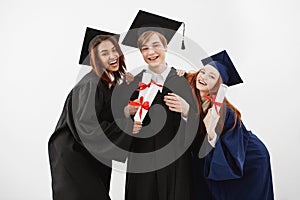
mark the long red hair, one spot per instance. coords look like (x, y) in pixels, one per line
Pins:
(192, 78)
(96, 63)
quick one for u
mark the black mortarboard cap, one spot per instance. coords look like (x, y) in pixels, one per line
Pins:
(90, 33)
(222, 62)
(145, 21)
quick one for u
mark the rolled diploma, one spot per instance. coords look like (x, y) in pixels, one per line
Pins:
(149, 96)
(145, 79)
(219, 98)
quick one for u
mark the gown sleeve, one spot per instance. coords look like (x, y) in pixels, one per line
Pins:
(226, 160)
(102, 138)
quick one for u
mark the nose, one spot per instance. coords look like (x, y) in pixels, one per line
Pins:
(113, 55)
(150, 50)
(204, 77)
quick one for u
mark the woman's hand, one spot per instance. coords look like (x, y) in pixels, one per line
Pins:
(130, 110)
(136, 127)
(177, 104)
(128, 78)
(180, 72)
(211, 123)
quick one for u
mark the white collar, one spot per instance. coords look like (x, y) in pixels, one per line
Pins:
(164, 74)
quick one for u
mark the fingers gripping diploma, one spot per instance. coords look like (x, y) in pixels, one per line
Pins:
(177, 104)
(130, 110)
(136, 127)
(211, 122)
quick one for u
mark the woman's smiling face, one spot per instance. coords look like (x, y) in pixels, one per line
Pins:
(108, 55)
(207, 78)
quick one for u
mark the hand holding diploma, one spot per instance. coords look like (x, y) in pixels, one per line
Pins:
(218, 100)
(131, 109)
(136, 127)
(143, 103)
(213, 114)
(210, 123)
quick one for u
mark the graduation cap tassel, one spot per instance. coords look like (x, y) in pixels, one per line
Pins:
(182, 44)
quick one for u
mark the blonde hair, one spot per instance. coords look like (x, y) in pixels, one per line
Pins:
(144, 37)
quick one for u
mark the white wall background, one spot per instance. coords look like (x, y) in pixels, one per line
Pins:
(40, 44)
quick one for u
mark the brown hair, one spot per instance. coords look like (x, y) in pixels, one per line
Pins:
(96, 63)
(144, 37)
(192, 78)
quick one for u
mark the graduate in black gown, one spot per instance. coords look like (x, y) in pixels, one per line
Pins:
(81, 148)
(229, 162)
(158, 166)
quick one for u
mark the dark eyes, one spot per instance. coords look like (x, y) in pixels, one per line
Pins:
(155, 46)
(106, 53)
(210, 76)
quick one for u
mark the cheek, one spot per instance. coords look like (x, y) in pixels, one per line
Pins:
(103, 60)
(211, 84)
(162, 53)
(117, 54)
(197, 85)
(198, 76)
(144, 54)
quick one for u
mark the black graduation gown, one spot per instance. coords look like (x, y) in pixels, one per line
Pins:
(172, 182)
(237, 168)
(86, 116)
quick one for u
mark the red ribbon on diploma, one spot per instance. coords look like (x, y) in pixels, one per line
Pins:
(213, 100)
(143, 86)
(144, 105)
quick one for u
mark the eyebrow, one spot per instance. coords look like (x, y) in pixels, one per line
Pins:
(156, 42)
(212, 73)
(107, 50)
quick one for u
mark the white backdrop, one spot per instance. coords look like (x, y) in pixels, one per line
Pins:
(40, 44)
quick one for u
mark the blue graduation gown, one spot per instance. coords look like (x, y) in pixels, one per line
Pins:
(237, 168)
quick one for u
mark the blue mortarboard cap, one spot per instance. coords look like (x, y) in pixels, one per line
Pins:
(222, 62)
(90, 34)
(145, 21)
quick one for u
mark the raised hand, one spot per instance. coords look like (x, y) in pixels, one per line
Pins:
(180, 72)
(129, 78)
(177, 104)
(136, 127)
(211, 123)
(130, 110)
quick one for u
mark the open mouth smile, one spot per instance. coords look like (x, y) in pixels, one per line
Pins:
(113, 62)
(202, 82)
(153, 58)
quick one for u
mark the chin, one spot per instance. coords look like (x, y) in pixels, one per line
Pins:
(114, 69)
(154, 65)
(201, 88)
